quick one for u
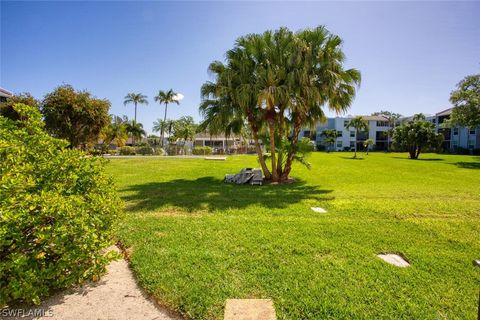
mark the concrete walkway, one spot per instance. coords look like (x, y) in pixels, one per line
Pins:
(116, 296)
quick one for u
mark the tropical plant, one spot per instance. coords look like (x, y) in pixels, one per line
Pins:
(58, 210)
(75, 115)
(135, 130)
(115, 133)
(329, 138)
(166, 97)
(163, 126)
(135, 98)
(367, 144)
(416, 135)
(184, 128)
(279, 82)
(359, 124)
(466, 101)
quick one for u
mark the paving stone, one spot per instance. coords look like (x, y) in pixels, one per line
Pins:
(318, 209)
(394, 259)
(249, 309)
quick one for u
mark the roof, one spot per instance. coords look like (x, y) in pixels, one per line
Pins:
(446, 112)
(5, 93)
(375, 118)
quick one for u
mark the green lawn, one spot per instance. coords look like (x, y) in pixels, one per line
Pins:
(197, 241)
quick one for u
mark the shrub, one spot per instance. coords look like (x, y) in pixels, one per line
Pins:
(461, 150)
(127, 151)
(202, 151)
(158, 151)
(58, 210)
(145, 150)
(476, 152)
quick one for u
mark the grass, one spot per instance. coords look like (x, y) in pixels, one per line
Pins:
(197, 241)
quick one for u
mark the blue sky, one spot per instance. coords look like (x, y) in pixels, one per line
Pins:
(411, 54)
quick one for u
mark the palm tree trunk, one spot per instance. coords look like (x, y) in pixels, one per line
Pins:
(281, 132)
(258, 148)
(164, 120)
(356, 142)
(271, 129)
(291, 152)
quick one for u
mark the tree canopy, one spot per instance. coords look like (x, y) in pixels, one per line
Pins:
(279, 82)
(416, 135)
(466, 101)
(7, 108)
(76, 116)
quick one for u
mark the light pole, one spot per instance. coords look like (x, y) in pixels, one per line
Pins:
(476, 263)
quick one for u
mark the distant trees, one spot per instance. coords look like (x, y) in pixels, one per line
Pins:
(329, 137)
(135, 98)
(76, 116)
(416, 135)
(166, 97)
(359, 124)
(466, 101)
(279, 82)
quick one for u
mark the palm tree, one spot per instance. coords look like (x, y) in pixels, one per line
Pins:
(115, 133)
(135, 98)
(330, 137)
(166, 97)
(135, 130)
(367, 143)
(279, 82)
(359, 124)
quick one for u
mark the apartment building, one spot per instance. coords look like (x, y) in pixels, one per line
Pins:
(378, 125)
(455, 137)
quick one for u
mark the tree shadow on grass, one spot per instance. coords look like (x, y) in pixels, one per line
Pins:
(211, 194)
(468, 165)
(352, 158)
(420, 159)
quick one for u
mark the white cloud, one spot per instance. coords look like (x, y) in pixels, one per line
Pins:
(178, 97)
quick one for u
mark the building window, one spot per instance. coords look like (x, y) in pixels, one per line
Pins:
(455, 131)
(473, 131)
(471, 144)
(339, 144)
(339, 134)
(345, 123)
(455, 143)
(306, 133)
(352, 134)
(383, 124)
(352, 144)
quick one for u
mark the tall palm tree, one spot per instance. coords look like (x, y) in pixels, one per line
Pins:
(359, 124)
(279, 82)
(135, 98)
(330, 137)
(135, 130)
(166, 97)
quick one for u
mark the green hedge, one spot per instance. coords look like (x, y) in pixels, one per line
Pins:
(202, 151)
(58, 210)
(127, 151)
